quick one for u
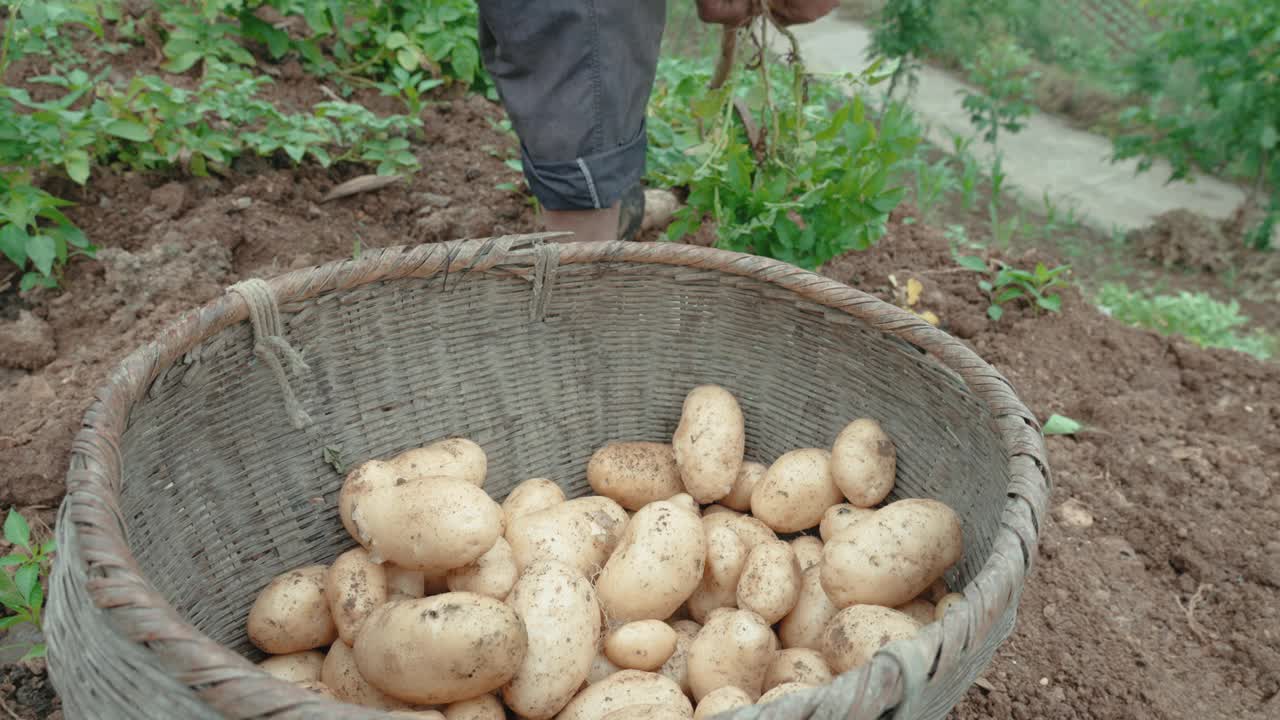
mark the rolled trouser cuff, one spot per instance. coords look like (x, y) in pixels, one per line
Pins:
(588, 183)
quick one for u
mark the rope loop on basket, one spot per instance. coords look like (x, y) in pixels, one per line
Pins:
(545, 265)
(269, 344)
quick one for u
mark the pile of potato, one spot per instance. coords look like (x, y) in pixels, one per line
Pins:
(666, 590)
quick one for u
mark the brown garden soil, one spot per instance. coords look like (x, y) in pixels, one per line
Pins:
(1156, 592)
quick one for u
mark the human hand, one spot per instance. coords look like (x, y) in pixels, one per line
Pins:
(736, 13)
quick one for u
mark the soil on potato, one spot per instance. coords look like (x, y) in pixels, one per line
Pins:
(1157, 587)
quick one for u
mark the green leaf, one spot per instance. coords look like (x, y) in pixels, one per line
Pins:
(129, 130)
(42, 250)
(13, 243)
(35, 598)
(37, 651)
(8, 560)
(408, 57)
(396, 40)
(10, 621)
(76, 163)
(465, 60)
(985, 286)
(27, 577)
(49, 547)
(183, 61)
(972, 262)
(1052, 303)
(1269, 137)
(16, 530)
(1062, 425)
(995, 312)
(1009, 294)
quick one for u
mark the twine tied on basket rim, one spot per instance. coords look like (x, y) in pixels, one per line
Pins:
(544, 277)
(270, 345)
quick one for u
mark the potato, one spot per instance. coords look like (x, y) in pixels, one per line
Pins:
(752, 531)
(709, 442)
(803, 627)
(641, 645)
(781, 690)
(726, 557)
(483, 707)
(430, 524)
(713, 509)
(291, 614)
(319, 688)
(858, 631)
(733, 649)
(354, 586)
(656, 567)
(531, 496)
(677, 666)
(936, 591)
(341, 675)
(721, 700)
(795, 491)
(770, 582)
(420, 714)
(457, 458)
(893, 556)
(582, 533)
(797, 665)
(808, 550)
(404, 584)
(492, 574)
(295, 667)
(360, 483)
(471, 644)
(647, 712)
(940, 610)
(561, 614)
(839, 518)
(601, 668)
(920, 610)
(622, 689)
(863, 463)
(686, 501)
(739, 498)
(635, 474)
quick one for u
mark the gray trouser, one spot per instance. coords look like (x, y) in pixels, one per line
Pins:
(575, 78)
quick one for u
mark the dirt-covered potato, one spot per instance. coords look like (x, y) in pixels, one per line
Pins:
(920, 610)
(893, 556)
(531, 496)
(648, 712)
(291, 613)
(472, 644)
(839, 518)
(363, 480)
(483, 707)
(582, 533)
(635, 473)
(717, 508)
(623, 689)
(940, 610)
(677, 666)
(804, 625)
(656, 567)
(641, 645)
(295, 667)
(726, 557)
(795, 491)
(721, 700)
(749, 475)
(404, 584)
(808, 550)
(798, 665)
(733, 649)
(709, 442)
(560, 614)
(340, 674)
(781, 690)
(864, 462)
(319, 688)
(354, 586)
(457, 458)
(770, 581)
(492, 574)
(431, 524)
(686, 501)
(601, 668)
(420, 714)
(858, 631)
(750, 529)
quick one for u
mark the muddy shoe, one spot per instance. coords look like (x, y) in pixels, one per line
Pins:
(631, 213)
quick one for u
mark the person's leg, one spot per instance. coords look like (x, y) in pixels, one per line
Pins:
(575, 78)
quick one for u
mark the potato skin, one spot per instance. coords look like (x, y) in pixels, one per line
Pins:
(781, 690)
(920, 610)
(458, 458)
(733, 648)
(864, 462)
(343, 678)
(492, 574)
(808, 551)
(582, 532)
(601, 668)
(709, 442)
(558, 609)
(641, 645)
(531, 496)
(430, 524)
(291, 613)
(319, 688)
(858, 631)
(839, 518)
(635, 473)
(770, 582)
(940, 610)
(420, 714)
(647, 712)
(751, 530)
(749, 475)
(404, 584)
(472, 643)
(726, 557)
(354, 586)
(363, 480)
(801, 665)
(656, 567)
(295, 667)
(804, 625)
(721, 700)
(795, 491)
(892, 557)
(686, 501)
(622, 689)
(483, 707)
(677, 666)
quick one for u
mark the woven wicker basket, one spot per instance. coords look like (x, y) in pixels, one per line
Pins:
(203, 469)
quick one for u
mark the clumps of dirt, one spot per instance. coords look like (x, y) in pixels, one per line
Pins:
(26, 694)
(26, 342)
(1186, 240)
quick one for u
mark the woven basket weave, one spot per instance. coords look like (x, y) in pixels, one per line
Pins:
(203, 468)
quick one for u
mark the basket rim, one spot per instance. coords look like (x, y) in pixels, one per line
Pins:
(91, 526)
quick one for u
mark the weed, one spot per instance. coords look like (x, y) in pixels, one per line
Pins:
(22, 592)
(1007, 284)
(1195, 316)
(1007, 92)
